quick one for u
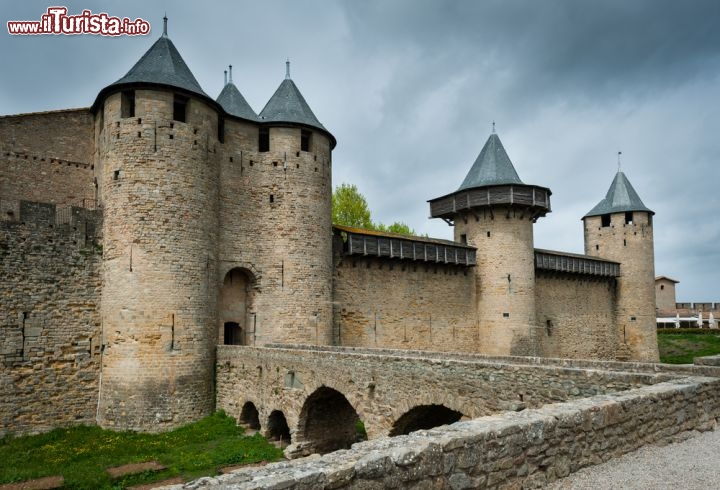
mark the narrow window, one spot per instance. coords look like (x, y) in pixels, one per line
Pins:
(127, 104)
(628, 218)
(180, 108)
(506, 315)
(605, 220)
(624, 242)
(272, 198)
(488, 234)
(116, 175)
(305, 137)
(264, 140)
(221, 129)
(662, 286)
(463, 238)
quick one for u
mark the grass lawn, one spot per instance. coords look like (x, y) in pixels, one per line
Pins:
(678, 347)
(82, 454)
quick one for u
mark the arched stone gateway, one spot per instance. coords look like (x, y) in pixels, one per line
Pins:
(277, 428)
(249, 416)
(424, 417)
(236, 306)
(327, 422)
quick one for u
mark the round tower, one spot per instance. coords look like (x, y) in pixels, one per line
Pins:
(494, 212)
(620, 228)
(276, 233)
(157, 177)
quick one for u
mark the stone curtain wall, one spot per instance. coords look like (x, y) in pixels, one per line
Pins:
(508, 450)
(401, 304)
(382, 385)
(50, 334)
(47, 157)
(576, 316)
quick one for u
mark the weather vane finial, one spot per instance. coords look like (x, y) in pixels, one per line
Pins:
(225, 72)
(165, 25)
(287, 69)
(493, 124)
(619, 153)
(230, 74)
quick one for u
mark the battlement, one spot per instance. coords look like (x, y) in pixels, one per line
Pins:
(84, 219)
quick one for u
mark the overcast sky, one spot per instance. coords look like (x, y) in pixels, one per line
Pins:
(410, 89)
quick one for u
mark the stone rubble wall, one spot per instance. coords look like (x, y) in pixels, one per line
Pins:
(50, 333)
(508, 450)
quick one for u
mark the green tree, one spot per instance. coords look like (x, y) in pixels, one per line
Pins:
(349, 208)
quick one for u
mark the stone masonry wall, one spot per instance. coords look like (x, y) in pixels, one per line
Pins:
(577, 315)
(508, 450)
(50, 339)
(47, 157)
(402, 304)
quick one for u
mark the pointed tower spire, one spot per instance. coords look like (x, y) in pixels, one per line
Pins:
(287, 69)
(492, 166)
(165, 34)
(620, 197)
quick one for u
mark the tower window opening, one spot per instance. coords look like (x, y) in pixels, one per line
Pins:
(116, 175)
(305, 137)
(127, 103)
(488, 234)
(624, 242)
(264, 140)
(272, 198)
(628, 218)
(597, 247)
(605, 220)
(463, 238)
(662, 286)
(180, 108)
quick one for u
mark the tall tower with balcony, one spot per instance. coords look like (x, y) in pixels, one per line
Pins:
(494, 211)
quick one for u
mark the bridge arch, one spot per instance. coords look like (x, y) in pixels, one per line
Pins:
(277, 428)
(249, 416)
(327, 422)
(424, 417)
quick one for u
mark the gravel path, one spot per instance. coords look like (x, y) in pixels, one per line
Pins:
(693, 464)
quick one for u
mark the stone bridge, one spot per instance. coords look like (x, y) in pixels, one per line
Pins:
(313, 397)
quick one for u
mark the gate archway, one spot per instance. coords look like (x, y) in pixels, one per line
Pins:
(235, 307)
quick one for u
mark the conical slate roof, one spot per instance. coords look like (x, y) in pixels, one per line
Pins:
(234, 103)
(620, 197)
(288, 105)
(492, 167)
(160, 65)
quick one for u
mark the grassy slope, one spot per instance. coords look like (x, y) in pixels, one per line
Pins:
(677, 347)
(82, 454)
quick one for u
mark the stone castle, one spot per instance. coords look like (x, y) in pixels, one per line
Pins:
(139, 234)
